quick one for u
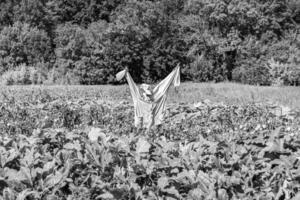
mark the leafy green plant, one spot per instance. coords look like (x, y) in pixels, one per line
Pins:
(56, 148)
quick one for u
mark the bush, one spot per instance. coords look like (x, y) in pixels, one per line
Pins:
(293, 75)
(90, 72)
(203, 69)
(284, 73)
(56, 76)
(253, 73)
(23, 75)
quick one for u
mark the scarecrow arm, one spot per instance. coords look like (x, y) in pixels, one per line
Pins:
(134, 90)
(164, 85)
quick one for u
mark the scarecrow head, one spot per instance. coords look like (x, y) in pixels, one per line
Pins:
(146, 92)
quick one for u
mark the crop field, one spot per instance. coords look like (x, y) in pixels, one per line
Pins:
(83, 145)
(229, 93)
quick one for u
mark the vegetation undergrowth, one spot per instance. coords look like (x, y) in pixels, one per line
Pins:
(88, 149)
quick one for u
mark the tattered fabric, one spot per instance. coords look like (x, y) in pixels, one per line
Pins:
(148, 113)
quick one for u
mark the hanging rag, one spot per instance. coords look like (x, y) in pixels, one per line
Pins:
(148, 113)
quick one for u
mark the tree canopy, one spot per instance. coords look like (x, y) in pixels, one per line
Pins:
(249, 41)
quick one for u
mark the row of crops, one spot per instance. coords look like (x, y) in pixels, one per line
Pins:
(56, 148)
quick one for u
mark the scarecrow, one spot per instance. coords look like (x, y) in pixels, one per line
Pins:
(150, 104)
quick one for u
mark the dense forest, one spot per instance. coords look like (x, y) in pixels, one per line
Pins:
(89, 41)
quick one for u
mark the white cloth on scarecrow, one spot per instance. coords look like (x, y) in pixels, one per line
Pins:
(148, 112)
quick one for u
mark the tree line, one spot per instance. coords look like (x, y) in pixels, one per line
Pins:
(89, 41)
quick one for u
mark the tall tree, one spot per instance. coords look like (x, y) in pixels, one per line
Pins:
(33, 12)
(82, 12)
(21, 43)
(7, 12)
